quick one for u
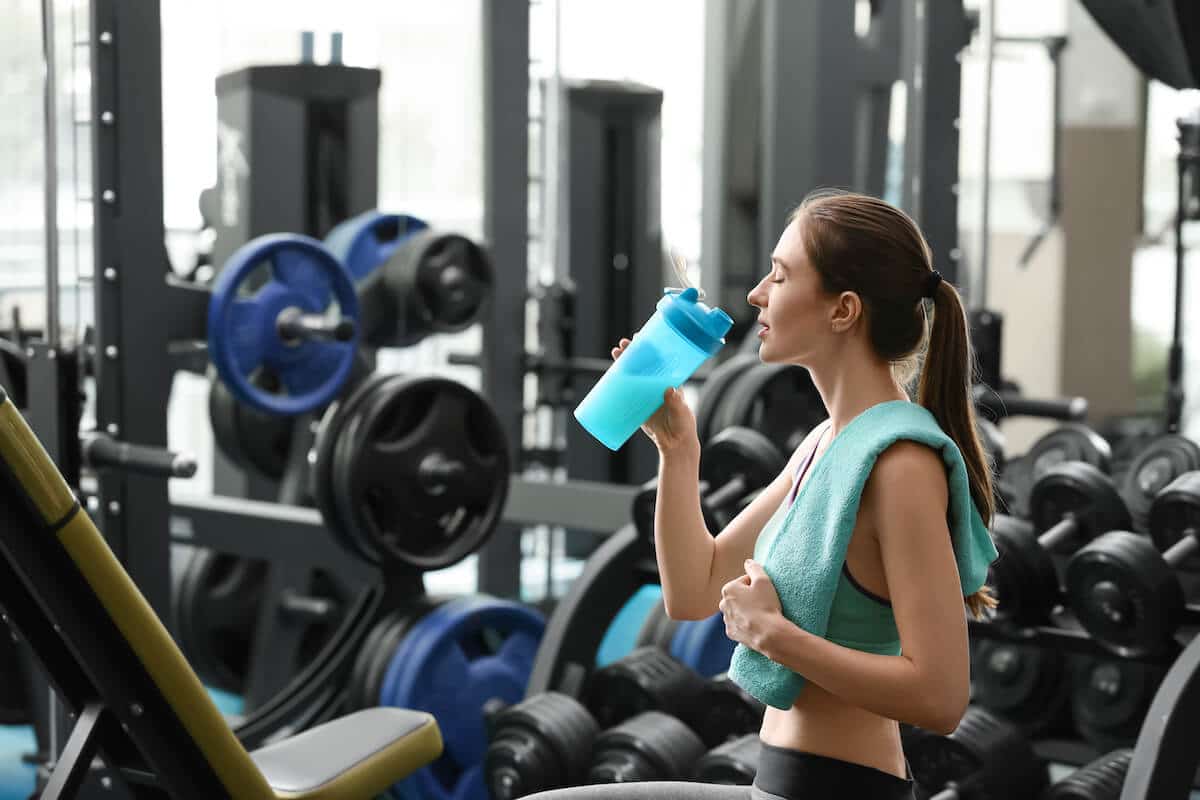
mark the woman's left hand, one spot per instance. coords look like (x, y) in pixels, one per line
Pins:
(750, 605)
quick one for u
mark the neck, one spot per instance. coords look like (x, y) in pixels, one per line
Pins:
(850, 385)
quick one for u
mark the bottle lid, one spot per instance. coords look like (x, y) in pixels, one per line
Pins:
(703, 326)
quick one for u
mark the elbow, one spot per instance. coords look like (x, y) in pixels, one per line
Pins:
(682, 613)
(945, 716)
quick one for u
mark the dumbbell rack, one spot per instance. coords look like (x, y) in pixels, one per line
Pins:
(1166, 763)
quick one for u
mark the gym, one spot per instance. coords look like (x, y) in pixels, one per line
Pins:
(331, 467)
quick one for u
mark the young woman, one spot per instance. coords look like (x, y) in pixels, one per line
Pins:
(846, 296)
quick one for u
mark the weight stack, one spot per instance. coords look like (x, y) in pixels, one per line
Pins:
(297, 151)
(608, 217)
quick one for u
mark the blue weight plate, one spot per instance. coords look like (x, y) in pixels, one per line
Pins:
(621, 637)
(703, 645)
(456, 658)
(242, 327)
(364, 242)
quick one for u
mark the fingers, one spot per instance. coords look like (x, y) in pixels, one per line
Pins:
(620, 348)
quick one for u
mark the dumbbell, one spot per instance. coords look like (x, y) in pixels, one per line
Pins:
(544, 742)
(1071, 503)
(1101, 779)
(984, 757)
(651, 746)
(1069, 442)
(1023, 683)
(1156, 465)
(650, 679)
(734, 763)
(1110, 700)
(1123, 587)
(735, 463)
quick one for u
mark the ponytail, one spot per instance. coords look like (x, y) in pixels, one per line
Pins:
(945, 389)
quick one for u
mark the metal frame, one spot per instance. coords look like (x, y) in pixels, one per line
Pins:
(506, 228)
(131, 364)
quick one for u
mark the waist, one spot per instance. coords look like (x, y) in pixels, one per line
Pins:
(787, 773)
(824, 724)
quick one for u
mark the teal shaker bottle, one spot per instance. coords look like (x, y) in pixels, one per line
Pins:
(680, 336)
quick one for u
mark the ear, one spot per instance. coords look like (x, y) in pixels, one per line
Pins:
(847, 310)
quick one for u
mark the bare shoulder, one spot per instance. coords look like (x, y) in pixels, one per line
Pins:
(908, 477)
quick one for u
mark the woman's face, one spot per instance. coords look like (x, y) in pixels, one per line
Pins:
(792, 306)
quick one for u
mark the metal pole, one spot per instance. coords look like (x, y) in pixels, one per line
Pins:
(50, 86)
(988, 33)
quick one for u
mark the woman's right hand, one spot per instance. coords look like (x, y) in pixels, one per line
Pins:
(672, 425)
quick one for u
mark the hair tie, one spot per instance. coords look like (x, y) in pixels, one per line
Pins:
(932, 283)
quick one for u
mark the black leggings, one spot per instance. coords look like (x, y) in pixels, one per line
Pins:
(783, 774)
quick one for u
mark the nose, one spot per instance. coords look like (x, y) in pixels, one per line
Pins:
(756, 292)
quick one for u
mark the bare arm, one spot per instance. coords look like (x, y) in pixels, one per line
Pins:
(707, 562)
(928, 685)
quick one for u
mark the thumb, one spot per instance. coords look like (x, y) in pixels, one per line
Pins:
(753, 568)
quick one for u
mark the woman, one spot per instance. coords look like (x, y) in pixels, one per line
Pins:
(845, 297)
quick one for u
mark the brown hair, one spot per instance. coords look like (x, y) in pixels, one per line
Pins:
(861, 244)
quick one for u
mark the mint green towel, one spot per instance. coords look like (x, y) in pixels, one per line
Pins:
(806, 557)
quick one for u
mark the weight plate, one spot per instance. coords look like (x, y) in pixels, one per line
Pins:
(321, 459)
(1164, 460)
(1124, 594)
(719, 380)
(250, 438)
(777, 400)
(445, 280)
(356, 691)
(243, 332)
(986, 749)
(1072, 441)
(702, 645)
(1022, 576)
(1175, 514)
(651, 746)
(622, 635)
(364, 242)
(1025, 684)
(734, 763)
(453, 661)
(216, 612)
(1102, 779)
(728, 711)
(1111, 698)
(741, 454)
(421, 472)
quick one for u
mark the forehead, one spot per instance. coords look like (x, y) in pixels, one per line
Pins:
(790, 247)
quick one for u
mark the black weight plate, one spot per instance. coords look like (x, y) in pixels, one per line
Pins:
(356, 692)
(347, 450)
(250, 438)
(321, 458)
(1025, 684)
(1124, 594)
(1022, 576)
(1161, 462)
(445, 280)
(985, 747)
(217, 614)
(428, 475)
(1111, 698)
(385, 648)
(740, 453)
(1176, 514)
(718, 382)
(1102, 779)
(1082, 491)
(777, 400)
(1072, 441)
